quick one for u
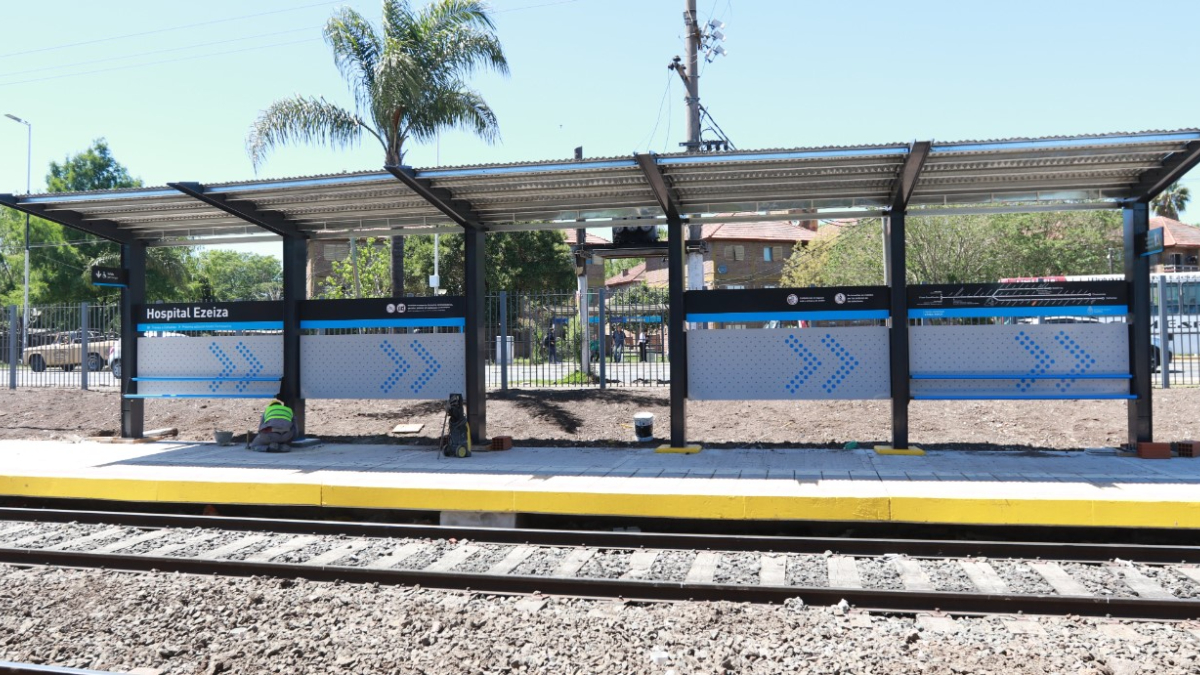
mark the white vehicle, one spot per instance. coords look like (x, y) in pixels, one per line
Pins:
(114, 355)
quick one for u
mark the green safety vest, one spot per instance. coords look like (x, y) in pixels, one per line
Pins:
(277, 411)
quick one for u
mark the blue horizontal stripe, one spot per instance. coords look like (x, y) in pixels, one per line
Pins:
(198, 396)
(206, 379)
(1017, 397)
(213, 325)
(459, 322)
(112, 285)
(962, 312)
(1008, 376)
(846, 314)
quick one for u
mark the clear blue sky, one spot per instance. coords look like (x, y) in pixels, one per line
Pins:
(176, 104)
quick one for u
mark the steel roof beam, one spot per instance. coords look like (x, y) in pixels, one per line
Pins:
(1173, 168)
(906, 180)
(272, 221)
(105, 229)
(459, 211)
(658, 185)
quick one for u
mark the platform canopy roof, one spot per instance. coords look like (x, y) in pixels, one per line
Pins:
(1024, 174)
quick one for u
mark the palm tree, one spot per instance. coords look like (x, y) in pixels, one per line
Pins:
(1171, 201)
(408, 82)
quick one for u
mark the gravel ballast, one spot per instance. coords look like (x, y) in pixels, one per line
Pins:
(187, 624)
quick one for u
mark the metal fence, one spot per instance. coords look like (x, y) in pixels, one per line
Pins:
(64, 346)
(1181, 314)
(620, 340)
(543, 339)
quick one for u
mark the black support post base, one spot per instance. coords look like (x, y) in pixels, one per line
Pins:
(475, 340)
(295, 263)
(133, 411)
(1137, 276)
(898, 335)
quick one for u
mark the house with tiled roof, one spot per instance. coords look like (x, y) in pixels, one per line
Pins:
(1181, 246)
(738, 255)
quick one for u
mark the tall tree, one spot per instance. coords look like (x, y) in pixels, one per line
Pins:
(408, 79)
(1171, 201)
(92, 169)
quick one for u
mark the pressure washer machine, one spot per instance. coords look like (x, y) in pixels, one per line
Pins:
(456, 432)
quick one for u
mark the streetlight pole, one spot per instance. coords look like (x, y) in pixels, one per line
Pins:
(28, 173)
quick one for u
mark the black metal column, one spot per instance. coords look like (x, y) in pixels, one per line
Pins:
(295, 263)
(677, 339)
(1137, 276)
(133, 411)
(898, 335)
(475, 340)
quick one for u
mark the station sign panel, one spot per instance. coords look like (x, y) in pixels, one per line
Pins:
(184, 316)
(110, 276)
(1040, 298)
(782, 304)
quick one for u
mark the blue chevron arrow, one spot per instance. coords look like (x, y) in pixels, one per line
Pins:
(1083, 360)
(847, 366)
(1042, 360)
(431, 367)
(256, 366)
(807, 358)
(226, 363)
(402, 367)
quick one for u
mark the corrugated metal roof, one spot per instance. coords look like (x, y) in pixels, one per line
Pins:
(554, 194)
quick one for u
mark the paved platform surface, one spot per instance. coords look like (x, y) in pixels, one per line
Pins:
(1093, 488)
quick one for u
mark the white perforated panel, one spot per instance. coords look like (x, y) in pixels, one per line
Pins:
(424, 366)
(1034, 349)
(782, 363)
(225, 356)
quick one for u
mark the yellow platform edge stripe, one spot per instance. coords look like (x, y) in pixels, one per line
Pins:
(685, 450)
(889, 450)
(939, 510)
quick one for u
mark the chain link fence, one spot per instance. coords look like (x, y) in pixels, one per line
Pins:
(65, 346)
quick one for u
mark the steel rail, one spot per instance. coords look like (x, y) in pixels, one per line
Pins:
(867, 599)
(929, 548)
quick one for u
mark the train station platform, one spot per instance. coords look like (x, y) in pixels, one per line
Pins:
(1096, 487)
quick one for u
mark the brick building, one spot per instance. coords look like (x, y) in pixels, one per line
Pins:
(739, 255)
(1181, 246)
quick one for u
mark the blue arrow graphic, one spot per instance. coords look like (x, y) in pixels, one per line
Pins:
(848, 363)
(226, 363)
(1042, 360)
(431, 367)
(256, 366)
(402, 367)
(1083, 360)
(807, 358)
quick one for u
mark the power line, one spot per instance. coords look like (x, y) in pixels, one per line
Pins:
(157, 63)
(650, 139)
(159, 51)
(168, 29)
(546, 4)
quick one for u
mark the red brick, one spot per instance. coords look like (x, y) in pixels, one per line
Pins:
(501, 442)
(1154, 450)
(1188, 448)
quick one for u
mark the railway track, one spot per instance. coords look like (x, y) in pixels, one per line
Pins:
(957, 577)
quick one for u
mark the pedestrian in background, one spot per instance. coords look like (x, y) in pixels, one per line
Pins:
(618, 345)
(551, 344)
(642, 346)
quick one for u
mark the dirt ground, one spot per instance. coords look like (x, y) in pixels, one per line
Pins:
(592, 417)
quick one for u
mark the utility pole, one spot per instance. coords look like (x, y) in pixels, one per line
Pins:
(695, 260)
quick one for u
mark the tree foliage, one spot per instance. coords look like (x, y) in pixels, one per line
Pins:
(1171, 201)
(92, 169)
(227, 276)
(374, 274)
(963, 249)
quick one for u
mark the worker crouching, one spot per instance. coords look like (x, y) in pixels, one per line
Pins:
(276, 430)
